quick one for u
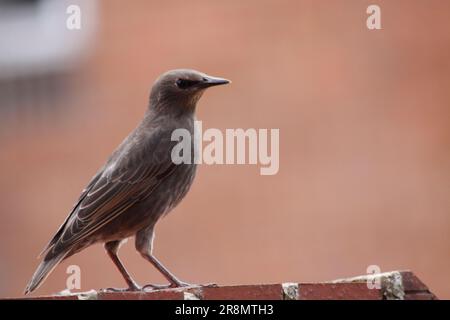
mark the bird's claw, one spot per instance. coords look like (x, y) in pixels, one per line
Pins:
(210, 285)
(174, 285)
(181, 284)
(153, 287)
(129, 289)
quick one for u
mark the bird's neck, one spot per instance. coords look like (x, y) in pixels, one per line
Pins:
(176, 108)
(169, 116)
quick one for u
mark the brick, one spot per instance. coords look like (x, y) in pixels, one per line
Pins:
(420, 296)
(244, 292)
(411, 282)
(156, 295)
(73, 297)
(338, 291)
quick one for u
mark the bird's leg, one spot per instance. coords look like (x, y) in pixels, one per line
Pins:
(144, 244)
(111, 248)
(174, 281)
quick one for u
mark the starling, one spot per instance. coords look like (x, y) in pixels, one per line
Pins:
(138, 184)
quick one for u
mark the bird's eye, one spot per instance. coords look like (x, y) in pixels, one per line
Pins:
(184, 83)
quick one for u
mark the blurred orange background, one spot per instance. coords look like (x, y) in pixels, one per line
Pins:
(363, 115)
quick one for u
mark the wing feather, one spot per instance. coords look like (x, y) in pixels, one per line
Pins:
(120, 185)
(99, 207)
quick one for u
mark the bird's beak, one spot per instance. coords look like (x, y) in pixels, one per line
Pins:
(209, 81)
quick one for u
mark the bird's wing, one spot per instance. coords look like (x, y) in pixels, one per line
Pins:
(114, 191)
(109, 198)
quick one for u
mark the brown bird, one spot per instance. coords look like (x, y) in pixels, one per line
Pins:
(138, 184)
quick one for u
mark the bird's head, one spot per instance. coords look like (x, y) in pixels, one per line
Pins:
(181, 89)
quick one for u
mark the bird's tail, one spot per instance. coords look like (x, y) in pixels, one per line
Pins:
(44, 269)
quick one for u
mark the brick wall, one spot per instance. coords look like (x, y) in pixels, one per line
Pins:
(396, 285)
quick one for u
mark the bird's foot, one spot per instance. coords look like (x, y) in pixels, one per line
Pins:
(181, 284)
(153, 287)
(109, 290)
(209, 285)
(132, 288)
(177, 284)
